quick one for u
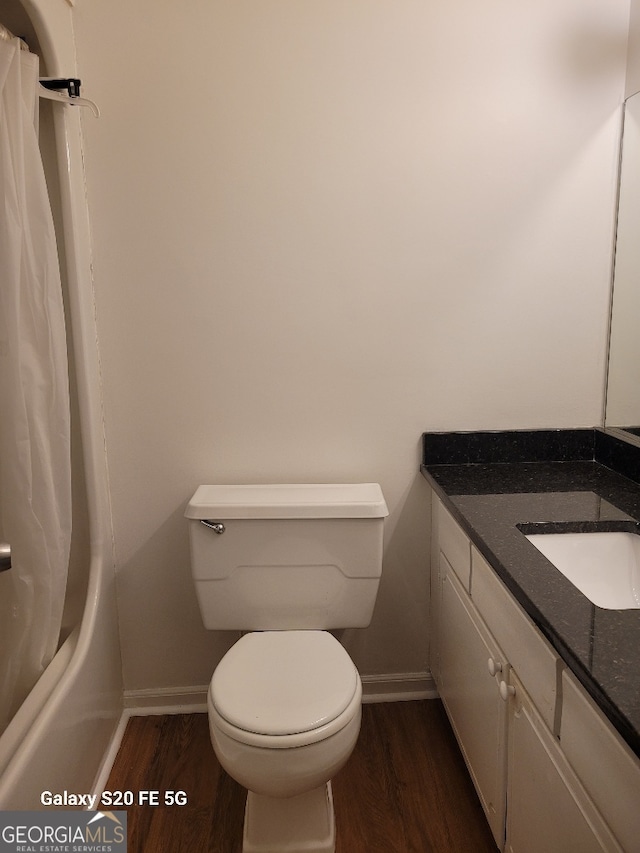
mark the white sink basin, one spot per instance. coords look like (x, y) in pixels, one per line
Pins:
(603, 566)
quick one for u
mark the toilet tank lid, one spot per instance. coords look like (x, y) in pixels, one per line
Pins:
(295, 500)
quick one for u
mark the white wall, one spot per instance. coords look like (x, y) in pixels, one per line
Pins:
(321, 229)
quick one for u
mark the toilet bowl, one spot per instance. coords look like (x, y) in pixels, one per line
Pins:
(284, 716)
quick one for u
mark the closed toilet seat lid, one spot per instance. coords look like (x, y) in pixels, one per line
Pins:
(284, 682)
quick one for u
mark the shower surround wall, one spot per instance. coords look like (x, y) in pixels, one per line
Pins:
(321, 229)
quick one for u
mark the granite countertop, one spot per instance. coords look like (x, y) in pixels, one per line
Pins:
(564, 480)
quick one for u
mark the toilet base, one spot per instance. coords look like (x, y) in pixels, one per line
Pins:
(302, 824)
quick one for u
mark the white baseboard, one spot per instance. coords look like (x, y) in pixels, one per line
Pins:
(166, 700)
(396, 687)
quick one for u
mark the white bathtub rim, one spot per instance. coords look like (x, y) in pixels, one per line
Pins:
(14, 734)
(21, 757)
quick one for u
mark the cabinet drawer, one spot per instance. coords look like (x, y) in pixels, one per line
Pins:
(455, 546)
(606, 766)
(528, 652)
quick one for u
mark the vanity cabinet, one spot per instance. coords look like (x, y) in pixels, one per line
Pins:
(499, 681)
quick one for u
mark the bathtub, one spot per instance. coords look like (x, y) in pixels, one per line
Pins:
(60, 735)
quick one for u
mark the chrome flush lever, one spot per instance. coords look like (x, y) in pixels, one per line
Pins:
(5, 556)
(217, 526)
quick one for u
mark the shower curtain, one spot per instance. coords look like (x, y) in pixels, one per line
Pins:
(35, 468)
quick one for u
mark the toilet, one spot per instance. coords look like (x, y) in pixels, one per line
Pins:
(285, 565)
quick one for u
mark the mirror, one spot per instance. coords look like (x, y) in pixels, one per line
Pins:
(622, 412)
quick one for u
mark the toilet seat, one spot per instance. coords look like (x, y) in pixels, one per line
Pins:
(284, 688)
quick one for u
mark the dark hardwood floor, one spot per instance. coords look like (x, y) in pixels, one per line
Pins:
(405, 789)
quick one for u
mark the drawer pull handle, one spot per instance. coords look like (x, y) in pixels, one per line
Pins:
(507, 690)
(494, 666)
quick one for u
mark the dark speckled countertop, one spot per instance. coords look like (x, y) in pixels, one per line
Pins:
(493, 483)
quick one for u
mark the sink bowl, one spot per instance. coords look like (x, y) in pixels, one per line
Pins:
(603, 566)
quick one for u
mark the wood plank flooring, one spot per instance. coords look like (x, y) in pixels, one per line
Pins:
(405, 789)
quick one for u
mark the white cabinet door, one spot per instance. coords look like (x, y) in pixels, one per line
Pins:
(547, 807)
(472, 697)
(607, 767)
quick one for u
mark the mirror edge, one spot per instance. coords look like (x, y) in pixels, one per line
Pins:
(616, 432)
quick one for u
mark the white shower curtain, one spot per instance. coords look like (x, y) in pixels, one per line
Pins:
(35, 468)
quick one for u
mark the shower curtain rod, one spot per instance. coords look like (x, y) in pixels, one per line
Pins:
(50, 87)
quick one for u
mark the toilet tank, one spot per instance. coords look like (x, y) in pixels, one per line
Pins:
(286, 557)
